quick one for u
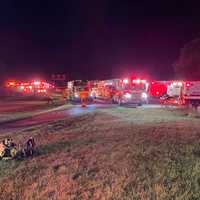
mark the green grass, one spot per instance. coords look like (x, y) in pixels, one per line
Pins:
(114, 154)
(62, 146)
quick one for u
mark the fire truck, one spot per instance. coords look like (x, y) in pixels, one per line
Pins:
(174, 88)
(172, 95)
(106, 88)
(190, 93)
(75, 88)
(36, 88)
(158, 88)
(131, 91)
(93, 89)
(184, 93)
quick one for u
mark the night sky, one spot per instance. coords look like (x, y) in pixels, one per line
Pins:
(94, 39)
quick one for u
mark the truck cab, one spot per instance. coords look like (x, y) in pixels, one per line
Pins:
(131, 91)
(75, 88)
(190, 93)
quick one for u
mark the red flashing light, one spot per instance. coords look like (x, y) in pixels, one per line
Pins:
(11, 83)
(157, 89)
(188, 84)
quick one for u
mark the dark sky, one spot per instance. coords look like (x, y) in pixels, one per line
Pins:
(94, 38)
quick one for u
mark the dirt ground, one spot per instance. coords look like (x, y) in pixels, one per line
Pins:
(109, 154)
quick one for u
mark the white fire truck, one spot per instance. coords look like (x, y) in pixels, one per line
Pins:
(190, 93)
(184, 92)
(131, 91)
(172, 96)
(174, 88)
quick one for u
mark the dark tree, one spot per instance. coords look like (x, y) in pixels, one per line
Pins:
(188, 63)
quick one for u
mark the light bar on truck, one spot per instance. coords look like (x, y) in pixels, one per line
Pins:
(143, 81)
(138, 81)
(11, 83)
(36, 82)
(125, 81)
(179, 83)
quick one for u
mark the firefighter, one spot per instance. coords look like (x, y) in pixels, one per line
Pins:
(2, 149)
(8, 149)
(49, 100)
(30, 147)
(66, 94)
(112, 93)
(84, 95)
(49, 97)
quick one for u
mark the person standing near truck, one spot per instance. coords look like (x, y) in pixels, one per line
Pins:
(84, 95)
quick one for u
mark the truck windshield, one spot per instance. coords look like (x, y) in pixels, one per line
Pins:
(135, 87)
(80, 83)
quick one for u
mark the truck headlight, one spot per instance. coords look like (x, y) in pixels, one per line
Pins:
(76, 95)
(93, 94)
(144, 95)
(127, 95)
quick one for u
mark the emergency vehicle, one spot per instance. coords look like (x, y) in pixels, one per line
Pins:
(174, 88)
(76, 88)
(93, 89)
(36, 88)
(158, 88)
(190, 93)
(172, 96)
(107, 88)
(131, 91)
(184, 92)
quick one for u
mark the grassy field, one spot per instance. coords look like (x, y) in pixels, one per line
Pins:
(13, 110)
(110, 154)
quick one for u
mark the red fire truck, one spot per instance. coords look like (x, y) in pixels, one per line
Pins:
(29, 87)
